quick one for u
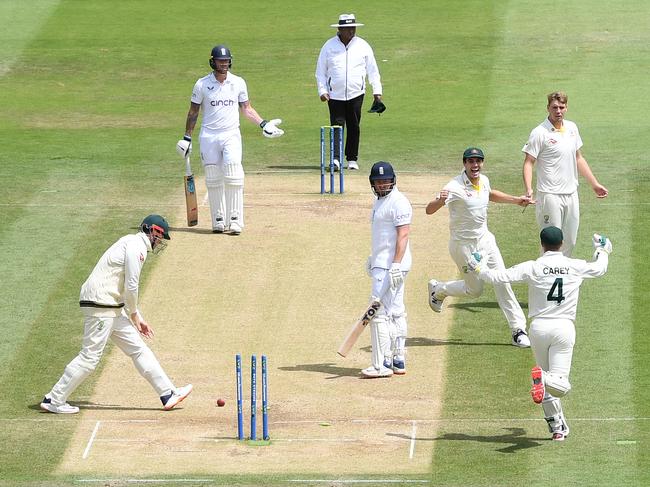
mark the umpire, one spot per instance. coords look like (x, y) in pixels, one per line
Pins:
(343, 64)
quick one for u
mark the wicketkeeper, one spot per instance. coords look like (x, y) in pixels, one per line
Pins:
(553, 286)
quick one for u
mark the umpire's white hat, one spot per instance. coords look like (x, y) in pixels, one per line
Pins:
(347, 20)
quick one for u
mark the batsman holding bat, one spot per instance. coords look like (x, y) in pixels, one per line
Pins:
(222, 95)
(109, 303)
(388, 266)
(554, 282)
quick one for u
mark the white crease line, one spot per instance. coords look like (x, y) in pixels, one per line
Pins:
(137, 481)
(361, 481)
(90, 441)
(414, 428)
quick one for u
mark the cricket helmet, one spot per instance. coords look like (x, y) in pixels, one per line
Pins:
(382, 171)
(220, 52)
(155, 224)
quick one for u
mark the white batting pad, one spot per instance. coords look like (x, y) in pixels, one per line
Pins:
(214, 184)
(234, 192)
(380, 340)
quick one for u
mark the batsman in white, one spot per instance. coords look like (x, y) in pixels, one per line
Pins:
(109, 303)
(388, 266)
(467, 197)
(222, 95)
(555, 146)
(553, 286)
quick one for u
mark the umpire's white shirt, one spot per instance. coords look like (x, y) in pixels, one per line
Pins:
(388, 213)
(555, 151)
(341, 70)
(553, 282)
(220, 101)
(114, 281)
(467, 207)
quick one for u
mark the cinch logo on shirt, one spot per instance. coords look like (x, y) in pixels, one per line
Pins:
(222, 103)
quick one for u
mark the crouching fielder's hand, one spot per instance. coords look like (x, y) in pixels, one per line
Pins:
(474, 262)
(270, 128)
(396, 276)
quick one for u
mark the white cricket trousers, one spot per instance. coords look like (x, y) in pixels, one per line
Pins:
(97, 331)
(552, 341)
(562, 211)
(471, 286)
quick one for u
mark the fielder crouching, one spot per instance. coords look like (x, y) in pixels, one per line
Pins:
(109, 303)
(553, 286)
(388, 266)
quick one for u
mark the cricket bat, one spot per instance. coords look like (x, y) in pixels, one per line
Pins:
(358, 328)
(190, 195)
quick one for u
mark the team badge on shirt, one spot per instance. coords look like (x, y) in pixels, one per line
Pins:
(141, 258)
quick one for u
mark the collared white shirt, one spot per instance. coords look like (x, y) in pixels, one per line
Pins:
(115, 279)
(220, 101)
(467, 207)
(388, 213)
(555, 151)
(341, 70)
(553, 282)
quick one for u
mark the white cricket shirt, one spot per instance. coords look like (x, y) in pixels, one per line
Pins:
(115, 279)
(555, 151)
(341, 70)
(388, 213)
(220, 101)
(553, 282)
(467, 207)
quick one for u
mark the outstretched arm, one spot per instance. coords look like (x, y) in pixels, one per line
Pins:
(501, 197)
(529, 162)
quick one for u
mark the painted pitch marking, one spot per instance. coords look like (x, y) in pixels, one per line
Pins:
(91, 440)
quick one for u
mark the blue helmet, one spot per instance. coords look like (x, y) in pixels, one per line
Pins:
(220, 52)
(382, 171)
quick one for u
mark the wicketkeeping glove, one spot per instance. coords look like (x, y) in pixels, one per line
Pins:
(270, 128)
(396, 276)
(602, 243)
(377, 107)
(474, 262)
(184, 146)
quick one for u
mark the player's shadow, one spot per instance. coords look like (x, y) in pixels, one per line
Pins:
(433, 342)
(329, 368)
(512, 442)
(295, 168)
(476, 306)
(86, 405)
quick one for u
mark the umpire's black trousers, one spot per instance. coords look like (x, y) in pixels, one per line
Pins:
(348, 115)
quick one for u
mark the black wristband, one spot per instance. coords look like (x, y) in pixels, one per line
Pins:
(263, 123)
(187, 137)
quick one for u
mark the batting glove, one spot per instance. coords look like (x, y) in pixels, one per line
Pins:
(184, 146)
(602, 243)
(270, 128)
(396, 276)
(474, 262)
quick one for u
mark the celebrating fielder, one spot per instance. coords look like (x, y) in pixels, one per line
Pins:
(553, 286)
(467, 197)
(222, 95)
(555, 146)
(109, 303)
(388, 266)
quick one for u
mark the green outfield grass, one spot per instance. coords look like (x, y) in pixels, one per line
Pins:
(93, 97)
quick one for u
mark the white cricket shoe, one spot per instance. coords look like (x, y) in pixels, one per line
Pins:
(435, 302)
(235, 227)
(373, 373)
(171, 400)
(353, 165)
(219, 226)
(520, 339)
(47, 405)
(337, 165)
